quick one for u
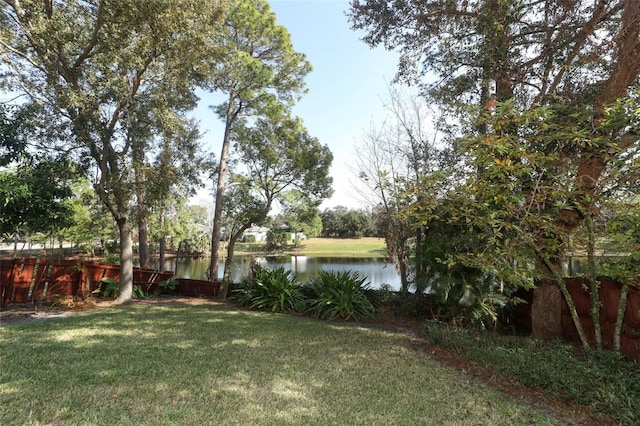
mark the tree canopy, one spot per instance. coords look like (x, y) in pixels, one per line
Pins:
(90, 64)
(34, 198)
(281, 163)
(540, 103)
(259, 75)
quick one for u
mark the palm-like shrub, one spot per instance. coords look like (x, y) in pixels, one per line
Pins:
(272, 289)
(341, 295)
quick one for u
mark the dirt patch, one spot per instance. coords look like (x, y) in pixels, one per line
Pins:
(26, 315)
(569, 414)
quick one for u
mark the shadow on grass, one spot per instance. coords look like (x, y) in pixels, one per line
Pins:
(186, 364)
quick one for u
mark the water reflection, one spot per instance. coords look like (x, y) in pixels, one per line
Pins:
(376, 270)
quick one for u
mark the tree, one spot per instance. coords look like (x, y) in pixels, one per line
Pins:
(395, 159)
(259, 73)
(91, 221)
(516, 188)
(481, 53)
(174, 173)
(13, 125)
(533, 54)
(342, 222)
(299, 216)
(280, 157)
(34, 198)
(175, 226)
(87, 64)
(623, 233)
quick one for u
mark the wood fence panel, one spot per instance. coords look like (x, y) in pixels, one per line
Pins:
(148, 279)
(198, 288)
(609, 300)
(632, 313)
(65, 279)
(20, 285)
(6, 275)
(92, 273)
(630, 346)
(112, 271)
(40, 275)
(580, 294)
(36, 280)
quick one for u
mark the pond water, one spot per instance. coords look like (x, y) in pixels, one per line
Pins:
(376, 270)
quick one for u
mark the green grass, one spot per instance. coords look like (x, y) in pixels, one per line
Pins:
(195, 365)
(326, 247)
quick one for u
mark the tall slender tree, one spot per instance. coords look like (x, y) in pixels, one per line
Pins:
(280, 157)
(399, 155)
(261, 72)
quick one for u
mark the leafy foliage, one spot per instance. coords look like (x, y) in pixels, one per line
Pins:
(276, 240)
(34, 198)
(340, 295)
(12, 122)
(109, 288)
(168, 286)
(540, 132)
(99, 70)
(284, 163)
(272, 289)
(600, 379)
(347, 223)
(261, 76)
(470, 283)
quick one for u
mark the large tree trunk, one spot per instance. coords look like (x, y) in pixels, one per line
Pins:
(226, 276)
(622, 307)
(546, 312)
(216, 233)
(126, 262)
(163, 240)
(592, 162)
(143, 242)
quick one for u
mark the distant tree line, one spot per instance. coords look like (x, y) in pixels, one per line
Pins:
(341, 222)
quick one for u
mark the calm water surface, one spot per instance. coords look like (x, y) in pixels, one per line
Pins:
(376, 270)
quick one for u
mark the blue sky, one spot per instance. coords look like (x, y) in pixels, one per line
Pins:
(346, 86)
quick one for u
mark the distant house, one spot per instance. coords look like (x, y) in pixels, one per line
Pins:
(259, 232)
(298, 235)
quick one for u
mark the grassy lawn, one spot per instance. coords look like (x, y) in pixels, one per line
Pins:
(208, 364)
(326, 247)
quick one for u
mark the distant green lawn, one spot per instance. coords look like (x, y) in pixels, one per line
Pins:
(327, 247)
(208, 364)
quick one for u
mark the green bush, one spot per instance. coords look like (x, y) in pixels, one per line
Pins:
(341, 295)
(111, 259)
(168, 286)
(110, 289)
(384, 295)
(272, 289)
(249, 239)
(276, 240)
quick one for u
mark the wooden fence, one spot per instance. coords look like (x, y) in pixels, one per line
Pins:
(37, 280)
(609, 300)
(552, 305)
